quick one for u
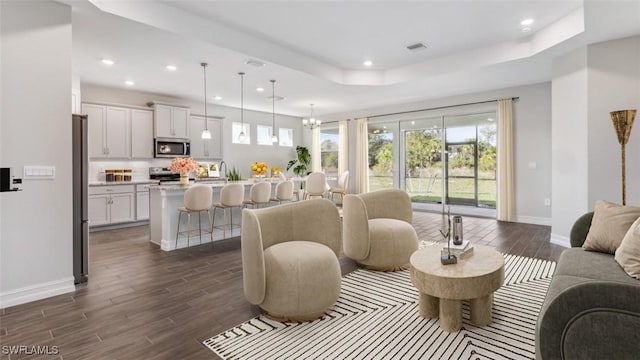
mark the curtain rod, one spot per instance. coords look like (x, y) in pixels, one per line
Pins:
(433, 108)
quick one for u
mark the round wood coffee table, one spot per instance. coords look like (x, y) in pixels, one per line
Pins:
(443, 287)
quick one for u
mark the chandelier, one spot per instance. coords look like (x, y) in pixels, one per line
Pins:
(312, 122)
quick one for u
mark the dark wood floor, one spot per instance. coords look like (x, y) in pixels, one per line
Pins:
(143, 303)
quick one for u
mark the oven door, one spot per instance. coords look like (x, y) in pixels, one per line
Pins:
(172, 148)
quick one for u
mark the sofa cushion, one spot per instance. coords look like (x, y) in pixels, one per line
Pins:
(628, 254)
(591, 265)
(610, 224)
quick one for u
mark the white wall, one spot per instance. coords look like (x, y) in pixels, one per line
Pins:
(238, 155)
(36, 223)
(587, 84)
(613, 84)
(569, 143)
(532, 139)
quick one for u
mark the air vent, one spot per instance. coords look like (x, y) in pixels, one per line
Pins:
(255, 63)
(417, 46)
(277, 98)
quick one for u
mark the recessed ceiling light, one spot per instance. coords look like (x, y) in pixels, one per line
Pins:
(259, 89)
(367, 63)
(171, 67)
(526, 22)
(217, 97)
(129, 82)
(526, 29)
(107, 61)
(490, 119)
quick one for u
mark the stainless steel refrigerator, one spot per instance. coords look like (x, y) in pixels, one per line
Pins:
(80, 199)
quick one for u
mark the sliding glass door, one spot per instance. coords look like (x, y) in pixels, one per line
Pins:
(443, 159)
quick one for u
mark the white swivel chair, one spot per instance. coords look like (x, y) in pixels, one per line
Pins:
(315, 185)
(260, 193)
(283, 191)
(341, 188)
(197, 198)
(231, 196)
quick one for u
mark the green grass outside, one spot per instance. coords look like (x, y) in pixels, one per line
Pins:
(424, 190)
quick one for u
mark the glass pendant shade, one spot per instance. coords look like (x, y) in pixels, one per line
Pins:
(206, 134)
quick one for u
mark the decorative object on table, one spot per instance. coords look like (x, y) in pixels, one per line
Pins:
(312, 122)
(206, 134)
(203, 170)
(448, 258)
(459, 251)
(184, 166)
(233, 174)
(213, 170)
(274, 138)
(259, 169)
(301, 163)
(275, 171)
(622, 122)
(457, 230)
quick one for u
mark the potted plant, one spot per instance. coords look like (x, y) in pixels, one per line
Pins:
(301, 164)
(233, 174)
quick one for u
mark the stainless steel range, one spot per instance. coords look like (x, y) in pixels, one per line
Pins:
(163, 174)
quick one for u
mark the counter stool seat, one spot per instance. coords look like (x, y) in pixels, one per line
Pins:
(231, 196)
(197, 199)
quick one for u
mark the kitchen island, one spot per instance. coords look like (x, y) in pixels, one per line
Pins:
(164, 201)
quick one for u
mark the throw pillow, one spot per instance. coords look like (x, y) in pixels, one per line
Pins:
(628, 254)
(609, 225)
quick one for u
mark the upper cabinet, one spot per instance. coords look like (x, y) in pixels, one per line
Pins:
(202, 149)
(141, 134)
(108, 131)
(171, 121)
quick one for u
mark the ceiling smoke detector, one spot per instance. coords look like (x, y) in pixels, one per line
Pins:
(255, 63)
(417, 46)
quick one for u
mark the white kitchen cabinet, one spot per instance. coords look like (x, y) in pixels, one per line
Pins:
(142, 202)
(111, 204)
(98, 210)
(141, 134)
(108, 131)
(206, 149)
(171, 121)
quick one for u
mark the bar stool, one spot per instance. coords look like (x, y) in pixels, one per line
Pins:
(315, 185)
(197, 198)
(284, 191)
(259, 194)
(231, 196)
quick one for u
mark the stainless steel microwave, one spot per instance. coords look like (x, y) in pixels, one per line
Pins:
(167, 147)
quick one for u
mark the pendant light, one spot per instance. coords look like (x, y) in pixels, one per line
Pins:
(312, 123)
(274, 138)
(206, 134)
(242, 135)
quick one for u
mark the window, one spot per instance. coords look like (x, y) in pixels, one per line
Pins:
(264, 135)
(329, 151)
(285, 137)
(236, 128)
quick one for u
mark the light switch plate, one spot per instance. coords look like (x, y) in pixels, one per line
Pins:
(39, 172)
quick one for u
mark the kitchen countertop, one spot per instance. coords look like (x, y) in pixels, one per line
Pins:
(132, 182)
(175, 186)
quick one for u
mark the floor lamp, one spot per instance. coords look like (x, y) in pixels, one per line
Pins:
(622, 122)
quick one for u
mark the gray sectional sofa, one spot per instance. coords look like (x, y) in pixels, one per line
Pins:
(592, 307)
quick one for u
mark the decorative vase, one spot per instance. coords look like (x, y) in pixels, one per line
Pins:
(622, 122)
(184, 179)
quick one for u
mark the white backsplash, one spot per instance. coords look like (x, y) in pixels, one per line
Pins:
(140, 168)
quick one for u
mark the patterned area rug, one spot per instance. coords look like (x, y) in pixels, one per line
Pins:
(376, 317)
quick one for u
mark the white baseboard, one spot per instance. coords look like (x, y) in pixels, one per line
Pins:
(532, 220)
(560, 240)
(36, 292)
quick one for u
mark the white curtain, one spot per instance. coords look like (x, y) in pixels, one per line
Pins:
(362, 157)
(343, 148)
(316, 159)
(505, 203)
